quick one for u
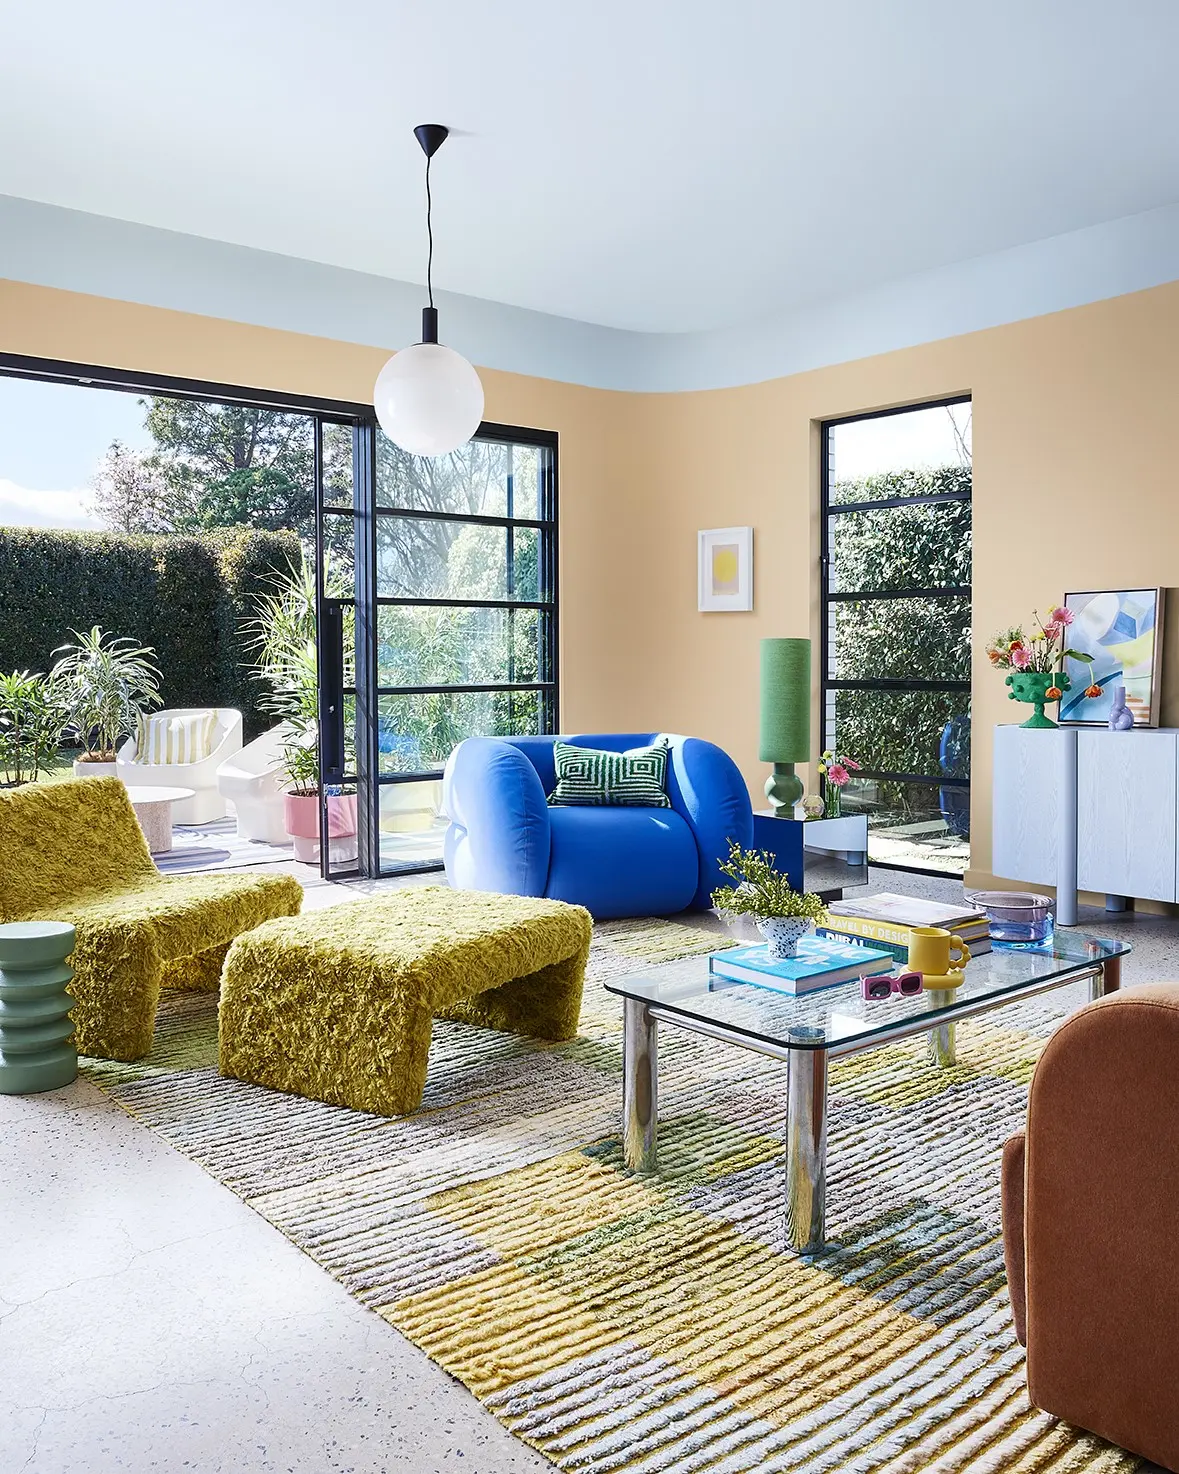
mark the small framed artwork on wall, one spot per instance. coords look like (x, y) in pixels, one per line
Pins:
(725, 569)
(1122, 629)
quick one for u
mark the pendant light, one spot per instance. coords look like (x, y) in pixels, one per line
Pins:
(428, 398)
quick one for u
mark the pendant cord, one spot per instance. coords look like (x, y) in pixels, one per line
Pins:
(430, 236)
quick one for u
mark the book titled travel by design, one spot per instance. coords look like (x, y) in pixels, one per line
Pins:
(885, 920)
(976, 934)
(822, 962)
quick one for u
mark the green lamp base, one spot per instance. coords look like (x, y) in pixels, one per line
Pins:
(784, 789)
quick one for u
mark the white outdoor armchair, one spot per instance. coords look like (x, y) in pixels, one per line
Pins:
(207, 802)
(253, 780)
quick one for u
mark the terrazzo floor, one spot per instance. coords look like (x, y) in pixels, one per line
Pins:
(150, 1321)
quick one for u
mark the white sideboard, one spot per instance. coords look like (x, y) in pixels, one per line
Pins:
(1087, 808)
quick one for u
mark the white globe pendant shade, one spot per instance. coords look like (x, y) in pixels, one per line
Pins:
(428, 399)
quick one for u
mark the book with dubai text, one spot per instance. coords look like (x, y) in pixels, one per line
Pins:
(821, 962)
(885, 920)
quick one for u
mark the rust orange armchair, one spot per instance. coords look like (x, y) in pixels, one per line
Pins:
(1091, 1223)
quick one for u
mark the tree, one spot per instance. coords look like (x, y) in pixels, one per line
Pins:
(128, 493)
(225, 465)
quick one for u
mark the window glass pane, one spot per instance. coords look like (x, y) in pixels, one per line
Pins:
(337, 465)
(420, 559)
(917, 453)
(418, 733)
(922, 824)
(483, 479)
(434, 647)
(897, 731)
(339, 543)
(525, 582)
(914, 639)
(923, 547)
(411, 824)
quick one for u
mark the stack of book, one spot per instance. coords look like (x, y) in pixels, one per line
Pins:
(885, 920)
(821, 962)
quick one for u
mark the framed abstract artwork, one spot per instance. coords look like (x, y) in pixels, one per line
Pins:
(1122, 629)
(725, 569)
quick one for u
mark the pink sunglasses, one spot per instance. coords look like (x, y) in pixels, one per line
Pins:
(884, 985)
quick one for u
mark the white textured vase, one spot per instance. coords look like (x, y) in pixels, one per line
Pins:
(782, 933)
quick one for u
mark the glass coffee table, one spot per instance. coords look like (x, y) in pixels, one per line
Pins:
(824, 1025)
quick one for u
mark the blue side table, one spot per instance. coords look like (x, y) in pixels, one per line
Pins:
(820, 855)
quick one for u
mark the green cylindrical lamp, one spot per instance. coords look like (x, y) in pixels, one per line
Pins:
(785, 718)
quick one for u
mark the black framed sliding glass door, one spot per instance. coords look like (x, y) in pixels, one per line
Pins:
(438, 608)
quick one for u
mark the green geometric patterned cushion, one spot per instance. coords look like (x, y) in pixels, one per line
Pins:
(587, 776)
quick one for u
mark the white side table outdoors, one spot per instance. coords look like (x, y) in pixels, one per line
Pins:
(153, 809)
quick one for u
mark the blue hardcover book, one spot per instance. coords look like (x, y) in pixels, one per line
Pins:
(821, 962)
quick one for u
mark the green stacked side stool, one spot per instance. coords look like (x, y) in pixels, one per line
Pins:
(36, 1034)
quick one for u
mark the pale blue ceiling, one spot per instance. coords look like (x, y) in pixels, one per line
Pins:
(665, 166)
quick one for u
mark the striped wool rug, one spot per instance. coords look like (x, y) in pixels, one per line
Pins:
(659, 1326)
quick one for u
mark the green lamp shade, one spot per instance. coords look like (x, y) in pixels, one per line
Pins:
(785, 701)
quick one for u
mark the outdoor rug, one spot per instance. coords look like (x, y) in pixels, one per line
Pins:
(216, 846)
(659, 1326)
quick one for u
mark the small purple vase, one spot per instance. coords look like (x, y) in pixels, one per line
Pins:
(1121, 718)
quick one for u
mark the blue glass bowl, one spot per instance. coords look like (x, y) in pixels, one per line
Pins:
(1016, 918)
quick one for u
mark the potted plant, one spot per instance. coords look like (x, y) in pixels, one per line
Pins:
(835, 770)
(31, 727)
(762, 893)
(1036, 662)
(103, 684)
(288, 664)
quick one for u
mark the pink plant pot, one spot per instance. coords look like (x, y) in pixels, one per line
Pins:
(301, 815)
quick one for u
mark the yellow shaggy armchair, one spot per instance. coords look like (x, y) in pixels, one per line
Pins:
(73, 851)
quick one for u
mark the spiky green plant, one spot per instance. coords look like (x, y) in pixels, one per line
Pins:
(103, 684)
(31, 724)
(282, 636)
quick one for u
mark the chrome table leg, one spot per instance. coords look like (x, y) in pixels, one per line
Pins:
(943, 1048)
(640, 1089)
(1110, 980)
(806, 1141)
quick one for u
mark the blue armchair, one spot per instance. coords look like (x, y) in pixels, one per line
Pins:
(615, 861)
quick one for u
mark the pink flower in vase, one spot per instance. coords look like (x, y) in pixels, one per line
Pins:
(837, 774)
(1053, 629)
(1062, 616)
(851, 765)
(1021, 657)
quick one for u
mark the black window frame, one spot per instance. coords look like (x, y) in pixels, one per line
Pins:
(829, 686)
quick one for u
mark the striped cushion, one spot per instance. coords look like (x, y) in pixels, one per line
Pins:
(168, 740)
(588, 776)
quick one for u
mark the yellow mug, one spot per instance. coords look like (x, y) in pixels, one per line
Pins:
(930, 949)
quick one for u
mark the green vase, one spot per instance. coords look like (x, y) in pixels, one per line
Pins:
(832, 800)
(1033, 686)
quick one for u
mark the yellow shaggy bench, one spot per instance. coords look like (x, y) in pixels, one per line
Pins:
(338, 1004)
(73, 851)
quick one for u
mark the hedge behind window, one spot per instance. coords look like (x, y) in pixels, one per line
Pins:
(187, 596)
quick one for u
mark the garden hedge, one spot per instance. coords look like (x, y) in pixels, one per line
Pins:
(189, 597)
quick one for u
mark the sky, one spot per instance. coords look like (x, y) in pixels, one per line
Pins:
(52, 437)
(910, 441)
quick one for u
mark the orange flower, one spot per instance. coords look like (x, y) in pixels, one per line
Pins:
(1093, 691)
(1053, 693)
